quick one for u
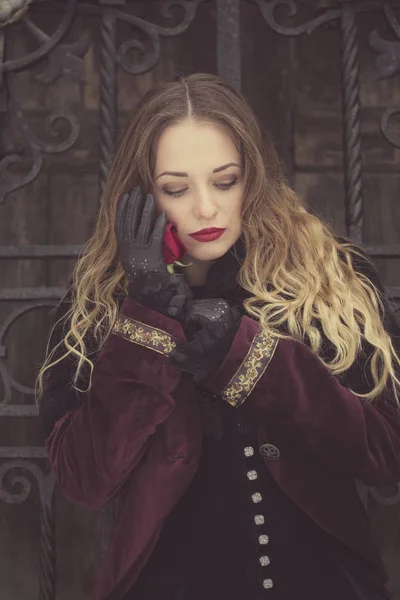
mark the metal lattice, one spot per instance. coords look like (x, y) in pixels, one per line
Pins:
(66, 58)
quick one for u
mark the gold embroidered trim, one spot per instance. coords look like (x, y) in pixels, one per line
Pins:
(144, 335)
(252, 368)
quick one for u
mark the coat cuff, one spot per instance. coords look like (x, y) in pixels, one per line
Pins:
(148, 328)
(247, 360)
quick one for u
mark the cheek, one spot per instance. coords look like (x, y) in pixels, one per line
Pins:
(159, 203)
(236, 206)
(174, 215)
(163, 205)
(240, 198)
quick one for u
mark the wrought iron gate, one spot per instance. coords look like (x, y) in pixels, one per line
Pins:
(21, 161)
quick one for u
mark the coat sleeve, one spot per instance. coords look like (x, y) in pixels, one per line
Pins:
(95, 439)
(285, 386)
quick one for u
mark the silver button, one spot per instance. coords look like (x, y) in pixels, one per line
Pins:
(259, 520)
(269, 452)
(264, 561)
(268, 584)
(252, 475)
(256, 497)
(263, 539)
(249, 451)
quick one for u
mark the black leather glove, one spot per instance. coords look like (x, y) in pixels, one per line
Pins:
(141, 255)
(211, 326)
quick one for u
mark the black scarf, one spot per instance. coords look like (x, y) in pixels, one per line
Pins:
(222, 277)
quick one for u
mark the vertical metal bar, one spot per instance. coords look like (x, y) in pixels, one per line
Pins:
(3, 103)
(108, 108)
(2, 55)
(228, 42)
(3, 94)
(353, 169)
(47, 577)
(108, 115)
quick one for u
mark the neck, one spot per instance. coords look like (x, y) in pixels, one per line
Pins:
(196, 273)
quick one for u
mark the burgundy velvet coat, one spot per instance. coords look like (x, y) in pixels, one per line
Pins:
(136, 436)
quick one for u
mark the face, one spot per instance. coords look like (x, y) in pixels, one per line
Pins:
(198, 181)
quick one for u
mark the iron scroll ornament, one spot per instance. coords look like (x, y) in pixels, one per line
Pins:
(268, 9)
(8, 381)
(9, 181)
(67, 59)
(388, 61)
(12, 10)
(46, 485)
(17, 64)
(61, 60)
(326, 11)
(153, 32)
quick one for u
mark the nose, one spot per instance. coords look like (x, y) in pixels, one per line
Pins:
(205, 206)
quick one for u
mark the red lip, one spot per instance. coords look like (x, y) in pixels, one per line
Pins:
(207, 230)
(207, 235)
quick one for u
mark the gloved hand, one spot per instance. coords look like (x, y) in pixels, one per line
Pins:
(141, 255)
(211, 326)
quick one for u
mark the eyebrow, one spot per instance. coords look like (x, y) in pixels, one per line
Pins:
(217, 170)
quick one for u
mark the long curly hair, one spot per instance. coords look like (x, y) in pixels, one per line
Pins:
(300, 278)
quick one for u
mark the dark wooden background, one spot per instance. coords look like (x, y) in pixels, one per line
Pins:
(293, 84)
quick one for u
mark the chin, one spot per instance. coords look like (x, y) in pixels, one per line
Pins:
(209, 250)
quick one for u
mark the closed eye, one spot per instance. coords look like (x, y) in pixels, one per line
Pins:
(220, 186)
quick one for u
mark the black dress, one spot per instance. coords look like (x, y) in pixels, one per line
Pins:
(223, 541)
(236, 535)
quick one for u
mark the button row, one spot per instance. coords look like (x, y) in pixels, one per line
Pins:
(256, 497)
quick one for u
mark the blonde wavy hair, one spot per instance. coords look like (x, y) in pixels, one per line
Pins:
(311, 276)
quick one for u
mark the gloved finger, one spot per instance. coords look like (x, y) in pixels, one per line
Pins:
(173, 280)
(178, 301)
(159, 230)
(190, 332)
(180, 359)
(120, 217)
(172, 311)
(192, 328)
(194, 321)
(146, 222)
(176, 357)
(237, 313)
(134, 212)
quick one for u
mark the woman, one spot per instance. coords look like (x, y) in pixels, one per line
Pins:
(229, 407)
